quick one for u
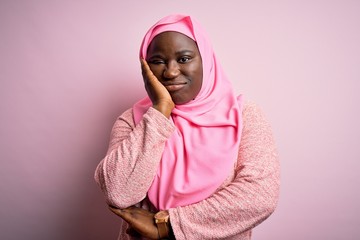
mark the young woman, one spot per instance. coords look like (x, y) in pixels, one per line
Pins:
(191, 160)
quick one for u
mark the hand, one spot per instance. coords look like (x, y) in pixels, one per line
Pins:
(158, 94)
(140, 220)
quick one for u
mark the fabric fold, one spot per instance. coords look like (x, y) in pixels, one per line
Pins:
(202, 151)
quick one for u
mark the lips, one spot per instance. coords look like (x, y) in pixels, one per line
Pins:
(171, 87)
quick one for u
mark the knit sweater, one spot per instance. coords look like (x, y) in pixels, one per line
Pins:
(246, 198)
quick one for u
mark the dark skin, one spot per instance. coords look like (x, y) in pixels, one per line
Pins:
(172, 74)
(141, 222)
(176, 62)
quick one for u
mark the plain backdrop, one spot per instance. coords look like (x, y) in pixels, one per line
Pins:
(69, 68)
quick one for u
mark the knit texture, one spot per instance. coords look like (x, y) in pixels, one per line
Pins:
(247, 197)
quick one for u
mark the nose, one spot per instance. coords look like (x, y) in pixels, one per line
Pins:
(171, 70)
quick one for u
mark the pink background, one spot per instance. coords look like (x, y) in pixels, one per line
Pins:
(69, 68)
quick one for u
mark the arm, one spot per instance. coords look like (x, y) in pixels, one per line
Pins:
(248, 200)
(128, 169)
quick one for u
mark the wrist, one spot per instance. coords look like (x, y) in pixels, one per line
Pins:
(165, 108)
(162, 221)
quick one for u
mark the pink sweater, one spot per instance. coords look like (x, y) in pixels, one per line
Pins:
(245, 199)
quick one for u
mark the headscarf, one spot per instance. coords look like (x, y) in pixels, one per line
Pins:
(203, 150)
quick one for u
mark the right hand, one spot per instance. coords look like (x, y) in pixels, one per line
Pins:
(141, 222)
(159, 95)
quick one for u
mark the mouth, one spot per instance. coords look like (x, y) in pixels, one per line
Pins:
(172, 87)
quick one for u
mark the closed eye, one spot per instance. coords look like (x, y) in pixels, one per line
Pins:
(156, 61)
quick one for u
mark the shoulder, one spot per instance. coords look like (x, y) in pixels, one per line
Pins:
(127, 114)
(257, 140)
(252, 113)
(250, 107)
(256, 128)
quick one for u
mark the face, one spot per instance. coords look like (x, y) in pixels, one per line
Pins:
(175, 60)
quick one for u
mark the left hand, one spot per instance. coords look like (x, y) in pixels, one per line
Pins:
(140, 220)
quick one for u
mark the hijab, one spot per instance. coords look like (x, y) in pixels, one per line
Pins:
(202, 151)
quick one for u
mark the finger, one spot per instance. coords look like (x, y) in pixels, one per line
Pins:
(136, 211)
(132, 232)
(147, 71)
(117, 211)
(130, 213)
(126, 215)
(144, 65)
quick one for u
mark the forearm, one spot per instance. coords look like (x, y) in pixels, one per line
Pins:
(249, 198)
(228, 213)
(126, 172)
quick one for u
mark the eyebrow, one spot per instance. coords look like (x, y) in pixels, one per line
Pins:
(180, 52)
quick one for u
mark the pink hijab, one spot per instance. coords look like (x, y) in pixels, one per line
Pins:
(202, 151)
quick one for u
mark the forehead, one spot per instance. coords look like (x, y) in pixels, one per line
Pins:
(171, 41)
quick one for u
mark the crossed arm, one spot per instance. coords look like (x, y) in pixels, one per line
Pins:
(245, 202)
(126, 173)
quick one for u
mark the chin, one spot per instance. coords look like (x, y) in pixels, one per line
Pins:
(181, 100)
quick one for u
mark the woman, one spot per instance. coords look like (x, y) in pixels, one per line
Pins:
(191, 160)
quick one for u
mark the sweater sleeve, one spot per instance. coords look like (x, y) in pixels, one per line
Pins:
(128, 169)
(248, 200)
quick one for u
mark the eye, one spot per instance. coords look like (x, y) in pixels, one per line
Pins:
(184, 59)
(156, 61)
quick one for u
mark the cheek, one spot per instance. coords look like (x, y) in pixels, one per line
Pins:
(157, 71)
(198, 77)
